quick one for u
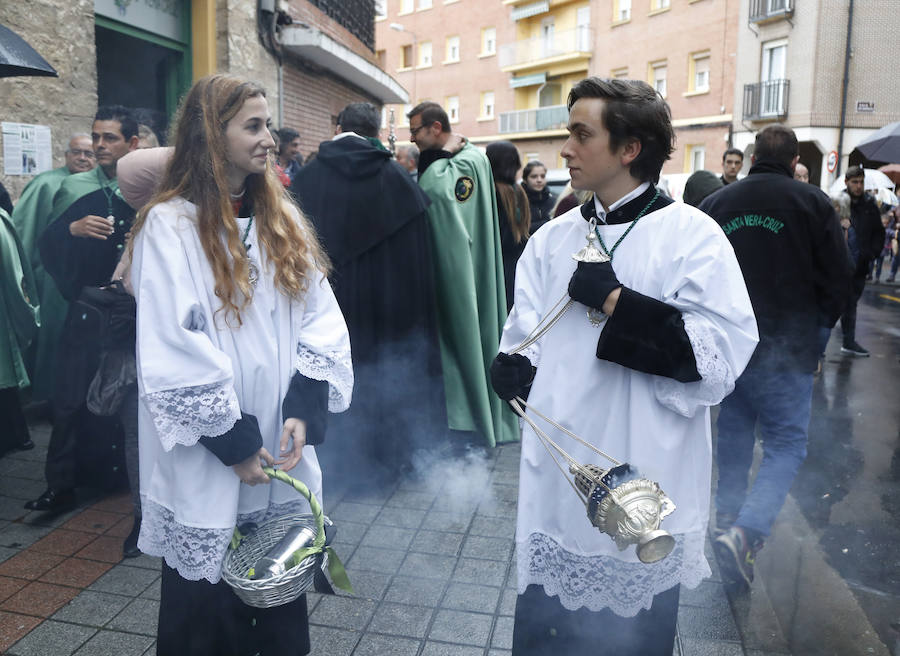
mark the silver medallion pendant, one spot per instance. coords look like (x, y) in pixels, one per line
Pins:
(252, 272)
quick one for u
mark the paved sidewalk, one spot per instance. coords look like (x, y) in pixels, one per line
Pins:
(432, 563)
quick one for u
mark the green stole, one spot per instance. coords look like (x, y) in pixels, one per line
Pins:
(19, 318)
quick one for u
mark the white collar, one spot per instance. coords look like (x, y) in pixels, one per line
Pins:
(343, 135)
(631, 195)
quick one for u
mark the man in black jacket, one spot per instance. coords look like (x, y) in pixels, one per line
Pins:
(789, 244)
(866, 221)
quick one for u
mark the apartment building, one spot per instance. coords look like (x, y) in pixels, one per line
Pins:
(684, 48)
(446, 51)
(792, 58)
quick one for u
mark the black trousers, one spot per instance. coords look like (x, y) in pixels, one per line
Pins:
(13, 426)
(848, 318)
(198, 618)
(543, 627)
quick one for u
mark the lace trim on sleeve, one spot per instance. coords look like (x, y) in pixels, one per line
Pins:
(336, 367)
(196, 553)
(717, 377)
(598, 582)
(185, 414)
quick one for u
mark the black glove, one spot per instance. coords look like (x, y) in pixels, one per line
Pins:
(510, 375)
(592, 282)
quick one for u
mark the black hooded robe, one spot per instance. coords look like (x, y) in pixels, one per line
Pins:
(371, 219)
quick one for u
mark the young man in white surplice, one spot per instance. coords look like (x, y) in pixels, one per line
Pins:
(657, 335)
(242, 351)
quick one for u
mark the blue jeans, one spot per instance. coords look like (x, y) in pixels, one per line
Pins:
(780, 403)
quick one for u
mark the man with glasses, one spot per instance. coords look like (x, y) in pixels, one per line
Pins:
(468, 269)
(31, 217)
(80, 249)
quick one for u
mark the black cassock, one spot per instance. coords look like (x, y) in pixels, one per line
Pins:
(370, 217)
(83, 447)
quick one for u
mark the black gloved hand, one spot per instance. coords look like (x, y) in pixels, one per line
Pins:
(592, 282)
(510, 374)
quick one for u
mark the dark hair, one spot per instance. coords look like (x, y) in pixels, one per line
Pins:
(776, 142)
(125, 117)
(733, 151)
(700, 185)
(531, 166)
(505, 162)
(285, 136)
(431, 112)
(633, 110)
(855, 171)
(361, 118)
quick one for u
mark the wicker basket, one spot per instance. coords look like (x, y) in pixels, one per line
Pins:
(286, 587)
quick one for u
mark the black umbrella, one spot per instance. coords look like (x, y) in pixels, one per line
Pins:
(19, 58)
(883, 145)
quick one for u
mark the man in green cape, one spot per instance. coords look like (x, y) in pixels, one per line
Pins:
(31, 216)
(18, 326)
(468, 267)
(80, 248)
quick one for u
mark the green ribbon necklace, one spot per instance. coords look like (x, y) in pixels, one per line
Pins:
(609, 252)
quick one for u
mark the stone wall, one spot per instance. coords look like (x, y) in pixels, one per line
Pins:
(62, 31)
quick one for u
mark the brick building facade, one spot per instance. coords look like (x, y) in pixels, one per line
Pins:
(312, 56)
(540, 49)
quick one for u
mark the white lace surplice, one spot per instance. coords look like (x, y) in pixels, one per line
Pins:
(677, 255)
(196, 375)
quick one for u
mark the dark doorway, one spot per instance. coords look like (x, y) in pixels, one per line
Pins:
(139, 74)
(811, 157)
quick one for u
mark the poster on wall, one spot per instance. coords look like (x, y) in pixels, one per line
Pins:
(26, 149)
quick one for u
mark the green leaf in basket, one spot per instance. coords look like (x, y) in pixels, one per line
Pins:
(251, 572)
(338, 573)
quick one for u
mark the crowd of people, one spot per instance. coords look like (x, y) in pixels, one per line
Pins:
(195, 306)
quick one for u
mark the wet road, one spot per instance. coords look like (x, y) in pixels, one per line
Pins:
(848, 490)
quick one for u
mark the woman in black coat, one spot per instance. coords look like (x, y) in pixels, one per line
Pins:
(512, 209)
(541, 199)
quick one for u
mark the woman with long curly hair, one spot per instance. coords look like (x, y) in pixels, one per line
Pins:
(241, 352)
(513, 209)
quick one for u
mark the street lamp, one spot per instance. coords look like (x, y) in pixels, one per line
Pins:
(398, 27)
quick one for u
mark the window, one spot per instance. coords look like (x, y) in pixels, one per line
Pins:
(384, 116)
(381, 58)
(583, 29)
(406, 57)
(452, 54)
(380, 9)
(694, 159)
(548, 29)
(698, 73)
(403, 119)
(487, 104)
(452, 107)
(406, 6)
(424, 4)
(620, 73)
(773, 61)
(489, 41)
(659, 5)
(621, 10)
(425, 54)
(657, 77)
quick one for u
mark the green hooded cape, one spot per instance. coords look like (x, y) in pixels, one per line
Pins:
(471, 298)
(31, 216)
(19, 319)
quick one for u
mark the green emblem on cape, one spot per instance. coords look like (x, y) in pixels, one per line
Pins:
(464, 188)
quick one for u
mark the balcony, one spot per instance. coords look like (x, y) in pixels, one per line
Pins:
(551, 48)
(763, 11)
(553, 117)
(765, 101)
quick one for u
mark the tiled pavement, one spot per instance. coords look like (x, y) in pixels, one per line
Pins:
(431, 561)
